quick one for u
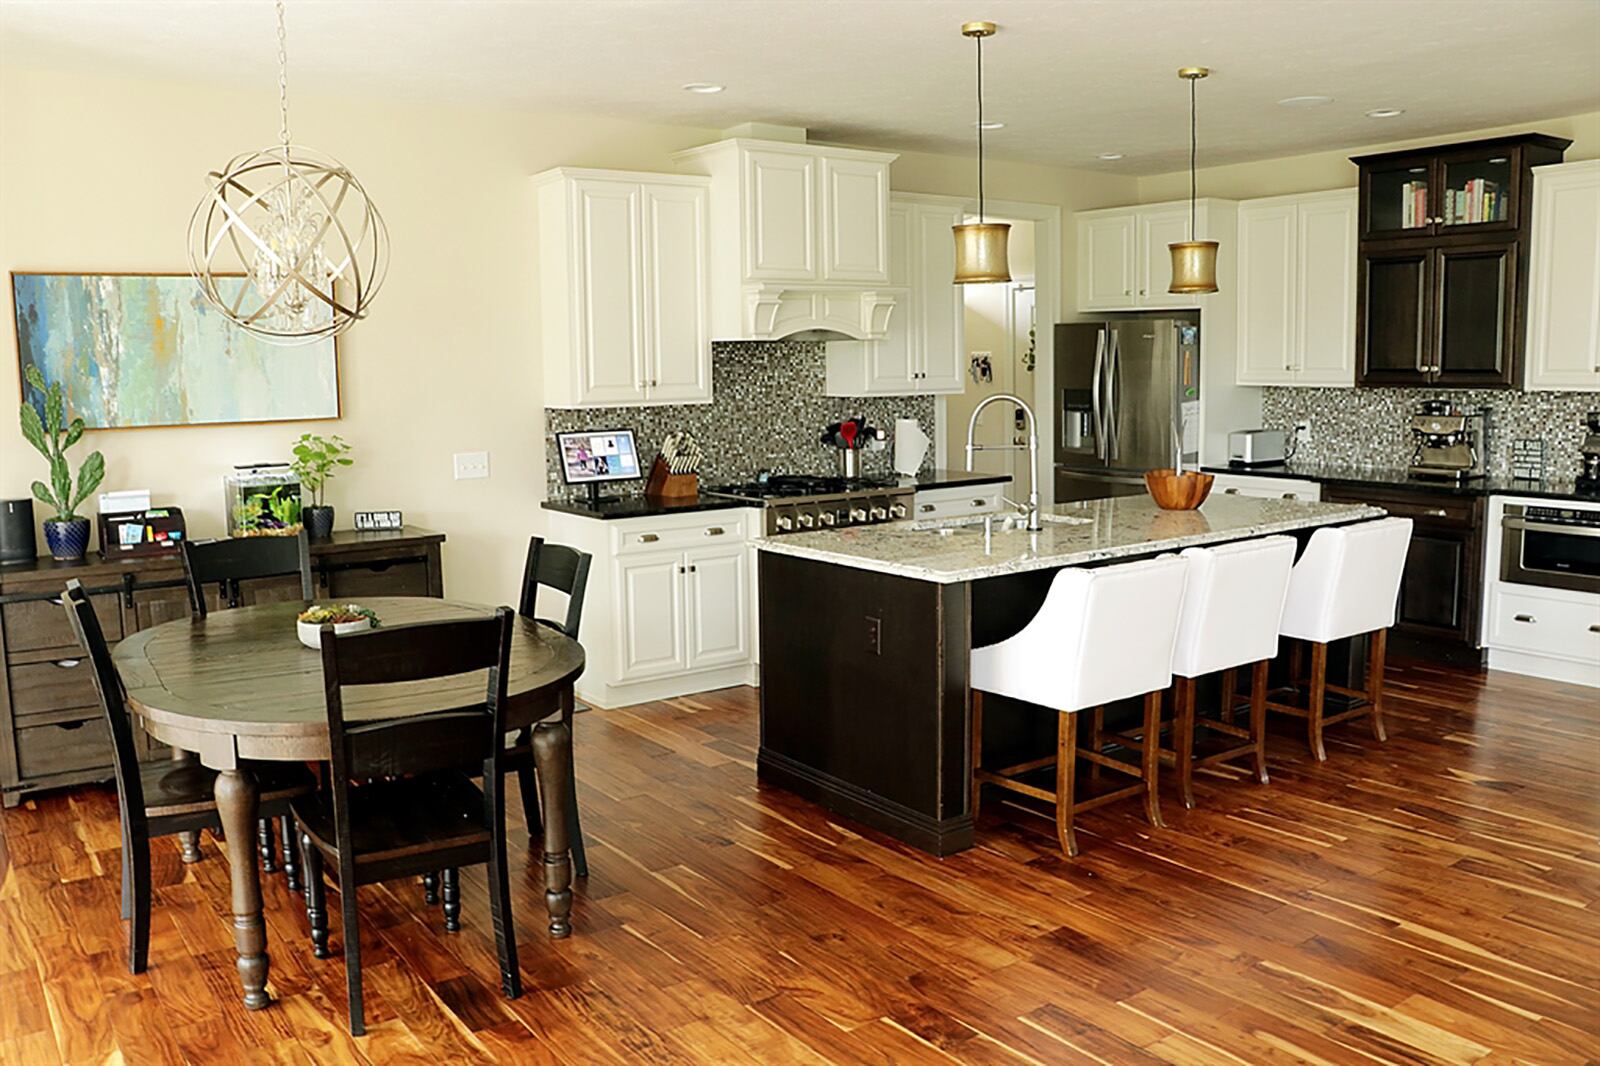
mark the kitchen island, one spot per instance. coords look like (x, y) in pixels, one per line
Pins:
(866, 634)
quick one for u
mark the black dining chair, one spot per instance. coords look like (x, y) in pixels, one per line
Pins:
(157, 799)
(564, 569)
(398, 801)
(225, 563)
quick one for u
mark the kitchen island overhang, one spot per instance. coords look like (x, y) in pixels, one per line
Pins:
(866, 637)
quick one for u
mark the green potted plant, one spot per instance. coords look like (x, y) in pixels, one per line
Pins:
(316, 459)
(67, 533)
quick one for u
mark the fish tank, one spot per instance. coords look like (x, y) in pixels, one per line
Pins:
(262, 500)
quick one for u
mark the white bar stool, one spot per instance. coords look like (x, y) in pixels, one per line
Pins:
(1101, 635)
(1346, 583)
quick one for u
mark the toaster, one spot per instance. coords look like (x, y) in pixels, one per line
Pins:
(1255, 447)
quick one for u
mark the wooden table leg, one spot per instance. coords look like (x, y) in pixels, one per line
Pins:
(238, 802)
(551, 744)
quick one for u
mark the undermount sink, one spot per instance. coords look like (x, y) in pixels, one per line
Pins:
(1002, 523)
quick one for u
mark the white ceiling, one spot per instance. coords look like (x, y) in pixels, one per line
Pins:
(1070, 78)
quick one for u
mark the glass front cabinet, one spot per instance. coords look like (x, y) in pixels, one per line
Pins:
(1444, 261)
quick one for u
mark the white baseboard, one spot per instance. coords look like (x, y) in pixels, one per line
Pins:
(1551, 669)
(666, 688)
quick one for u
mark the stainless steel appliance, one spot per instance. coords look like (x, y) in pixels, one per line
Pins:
(1255, 447)
(1127, 400)
(1589, 473)
(1451, 443)
(796, 503)
(1556, 547)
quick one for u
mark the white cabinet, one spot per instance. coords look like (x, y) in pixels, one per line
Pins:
(922, 352)
(1296, 289)
(799, 238)
(1563, 350)
(623, 281)
(954, 501)
(1123, 259)
(716, 607)
(683, 611)
(650, 615)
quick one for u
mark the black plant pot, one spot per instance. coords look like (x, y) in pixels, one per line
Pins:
(319, 522)
(68, 540)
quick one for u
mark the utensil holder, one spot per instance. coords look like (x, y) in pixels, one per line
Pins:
(849, 463)
(1175, 490)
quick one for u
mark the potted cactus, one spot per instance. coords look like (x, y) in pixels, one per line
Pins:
(316, 459)
(67, 533)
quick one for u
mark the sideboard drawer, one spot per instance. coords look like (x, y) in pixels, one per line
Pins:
(354, 580)
(62, 747)
(52, 685)
(34, 624)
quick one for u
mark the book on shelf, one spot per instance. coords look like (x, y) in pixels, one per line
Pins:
(1413, 204)
(1479, 200)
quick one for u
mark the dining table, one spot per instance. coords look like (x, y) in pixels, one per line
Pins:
(238, 687)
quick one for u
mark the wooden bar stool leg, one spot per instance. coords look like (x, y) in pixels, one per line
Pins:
(1258, 717)
(1376, 656)
(1152, 758)
(1319, 692)
(1296, 663)
(1230, 693)
(977, 750)
(1097, 739)
(1066, 779)
(1183, 700)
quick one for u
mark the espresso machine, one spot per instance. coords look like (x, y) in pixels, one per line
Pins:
(1450, 443)
(1589, 454)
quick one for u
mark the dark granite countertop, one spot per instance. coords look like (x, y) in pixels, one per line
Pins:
(642, 506)
(1399, 478)
(945, 479)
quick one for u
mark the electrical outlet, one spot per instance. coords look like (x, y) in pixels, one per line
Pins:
(1302, 431)
(874, 635)
(471, 465)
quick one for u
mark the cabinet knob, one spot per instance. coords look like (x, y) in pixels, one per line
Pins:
(1142, 292)
(1524, 618)
(1127, 292)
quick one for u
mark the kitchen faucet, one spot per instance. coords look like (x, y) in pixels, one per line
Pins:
(1034, 525)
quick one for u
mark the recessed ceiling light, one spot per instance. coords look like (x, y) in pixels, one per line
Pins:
(1108, 156)
(1305, 101)
(1385, 112)
(702, 87)
(990, 125)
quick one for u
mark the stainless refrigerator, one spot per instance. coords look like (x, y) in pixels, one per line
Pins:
(1127, 395)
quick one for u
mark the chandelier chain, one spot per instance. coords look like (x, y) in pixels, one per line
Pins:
(283, 82)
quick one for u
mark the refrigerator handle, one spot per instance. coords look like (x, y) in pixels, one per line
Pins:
(1113, 377)
(1099, 425)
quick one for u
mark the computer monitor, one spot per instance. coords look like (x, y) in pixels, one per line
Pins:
(592, 457)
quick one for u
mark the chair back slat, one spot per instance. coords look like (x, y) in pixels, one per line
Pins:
(417, 745)
(108, 686)
(559, 567)
(228, 561)
(416, 652)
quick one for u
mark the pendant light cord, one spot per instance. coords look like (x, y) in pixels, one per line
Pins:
(980, 129)
(283, 83)
(1193, 140)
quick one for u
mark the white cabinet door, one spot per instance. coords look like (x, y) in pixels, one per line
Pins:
(677, 330)
(717, 607)
(1106, 262)
(855, 204)
(1157, 229)
(780, 224)
(940, 313)
(610, 293)
(1267, 236)
(650, 616)
(1325, 297)
(1564, 278)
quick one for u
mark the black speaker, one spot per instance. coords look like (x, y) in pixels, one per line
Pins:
(17, 544)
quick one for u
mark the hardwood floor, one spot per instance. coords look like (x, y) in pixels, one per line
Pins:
(1428, 900)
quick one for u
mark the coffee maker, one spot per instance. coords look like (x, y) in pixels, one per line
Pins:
(1450, 443)
(1589, 454)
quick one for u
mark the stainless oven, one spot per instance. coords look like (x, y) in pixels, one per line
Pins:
(1557, 547)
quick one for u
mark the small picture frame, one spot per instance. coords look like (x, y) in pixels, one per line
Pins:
(372, 521)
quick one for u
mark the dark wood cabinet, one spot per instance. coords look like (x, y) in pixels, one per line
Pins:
(51, 730)
(1441, 287)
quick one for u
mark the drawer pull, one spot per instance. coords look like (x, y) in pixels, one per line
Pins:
(980, 503)
(66, 664)
(1291, 495)
(715, 531)
(1230, 492)
(70, 726)
(1594, 629)
(1524, 618)
(925, 508)
(648, 538)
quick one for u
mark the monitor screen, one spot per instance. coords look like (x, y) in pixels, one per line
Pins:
(598, 455)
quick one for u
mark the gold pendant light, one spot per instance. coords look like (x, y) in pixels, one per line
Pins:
(981, 247)
(1194, 263)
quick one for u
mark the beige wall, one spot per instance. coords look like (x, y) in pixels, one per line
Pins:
(1333, 170)
(99, 172)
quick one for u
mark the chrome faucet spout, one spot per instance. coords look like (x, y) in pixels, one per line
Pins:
(1034, 523)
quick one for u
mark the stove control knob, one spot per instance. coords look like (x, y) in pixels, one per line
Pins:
(785, 522)
(807, 521)
(879, 514)
(898, 510)
(828, 518)
(858, 514)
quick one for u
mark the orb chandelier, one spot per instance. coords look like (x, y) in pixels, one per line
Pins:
(981, 247)
(297, 225)
(1194, 263)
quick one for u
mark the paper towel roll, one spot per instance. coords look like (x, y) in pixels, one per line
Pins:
(910, 446)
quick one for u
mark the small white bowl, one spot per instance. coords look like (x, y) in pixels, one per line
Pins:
(311, 632)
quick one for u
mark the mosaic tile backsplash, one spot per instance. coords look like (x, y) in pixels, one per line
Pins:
(1370, 426)
(767, 414)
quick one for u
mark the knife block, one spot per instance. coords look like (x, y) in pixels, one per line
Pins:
(665, 485)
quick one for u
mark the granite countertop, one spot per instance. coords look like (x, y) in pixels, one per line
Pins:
(642, 506)
(946, 479)
(1084, 532)
(1400, 478)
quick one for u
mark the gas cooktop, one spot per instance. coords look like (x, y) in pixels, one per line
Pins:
(795, 486)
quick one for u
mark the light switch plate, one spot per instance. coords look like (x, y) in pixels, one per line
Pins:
(471, 465)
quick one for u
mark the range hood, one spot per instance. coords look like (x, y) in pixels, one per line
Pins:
(799, 240)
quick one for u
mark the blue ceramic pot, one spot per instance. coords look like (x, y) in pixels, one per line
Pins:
(67, 540)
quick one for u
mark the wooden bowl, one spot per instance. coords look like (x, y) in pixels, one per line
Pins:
(1178, 492)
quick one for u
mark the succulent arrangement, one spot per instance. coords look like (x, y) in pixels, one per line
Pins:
(338, 614)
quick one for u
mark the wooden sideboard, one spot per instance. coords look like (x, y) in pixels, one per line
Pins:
(51, 730)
